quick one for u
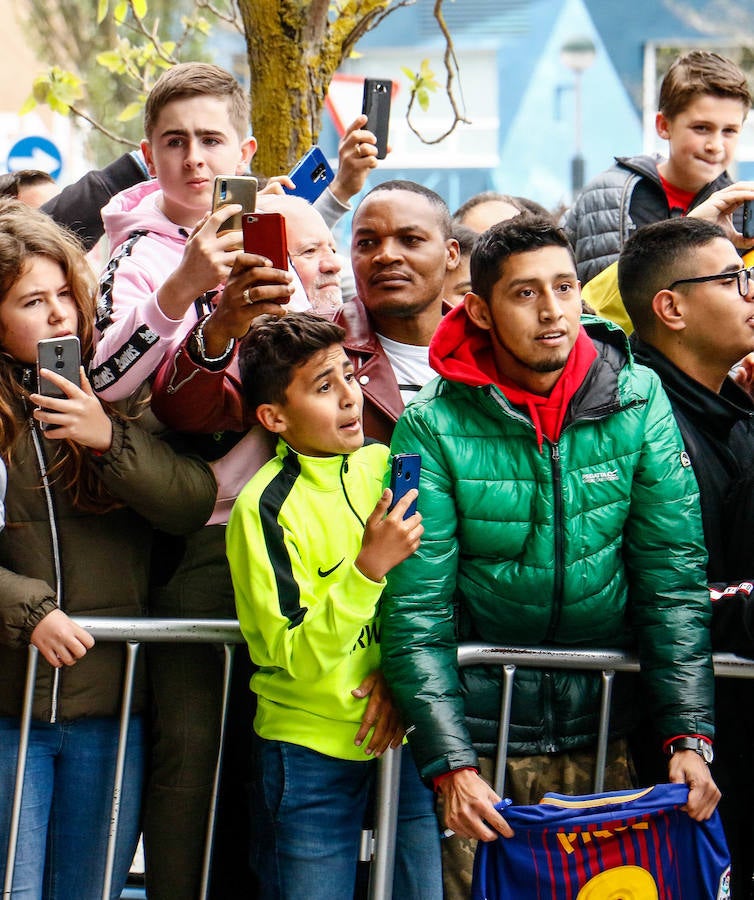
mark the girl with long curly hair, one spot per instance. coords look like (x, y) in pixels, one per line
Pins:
(84, 493)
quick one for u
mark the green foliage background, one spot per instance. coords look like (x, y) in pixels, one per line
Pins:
(66, 33)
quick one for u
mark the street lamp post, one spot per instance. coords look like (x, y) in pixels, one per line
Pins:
(577, 54)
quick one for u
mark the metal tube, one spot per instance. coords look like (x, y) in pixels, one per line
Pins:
(23, 747)
(608, 678)
(210, 840)
(501, 757)
(386, 823)
(132, 652)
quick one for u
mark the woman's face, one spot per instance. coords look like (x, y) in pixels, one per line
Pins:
(39, 305)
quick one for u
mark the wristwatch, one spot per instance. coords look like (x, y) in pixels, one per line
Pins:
(698, 745)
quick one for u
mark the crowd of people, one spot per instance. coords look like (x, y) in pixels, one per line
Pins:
(226, 454)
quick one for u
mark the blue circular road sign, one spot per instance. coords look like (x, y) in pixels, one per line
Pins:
(35, 152)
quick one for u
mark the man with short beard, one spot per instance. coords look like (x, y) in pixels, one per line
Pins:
(559, 511)
(401, 248)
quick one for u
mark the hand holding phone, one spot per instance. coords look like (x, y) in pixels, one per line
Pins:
(376, 107)
(61, 355)
(748, 227)
(264, 234)
(311, 175)
(404, 475)
(229, 189)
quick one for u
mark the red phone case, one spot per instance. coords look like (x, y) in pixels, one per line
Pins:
(264, 233)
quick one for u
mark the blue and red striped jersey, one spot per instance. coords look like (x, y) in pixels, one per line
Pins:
(632, 845)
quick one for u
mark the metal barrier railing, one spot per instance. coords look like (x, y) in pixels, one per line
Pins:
(133, 632)
(381, 848)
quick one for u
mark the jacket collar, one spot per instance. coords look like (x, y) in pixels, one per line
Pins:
(714, 413)
(322, 472)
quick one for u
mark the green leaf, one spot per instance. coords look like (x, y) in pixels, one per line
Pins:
(102, 7)
(411, 75)
(29, 104)
(39, 90)
(121, 11)
(140, 8)
(131, 112)
(112, 60)
(423, 97)
(57, 105)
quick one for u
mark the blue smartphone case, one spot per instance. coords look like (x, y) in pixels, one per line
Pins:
(404, 475)
(311, 175)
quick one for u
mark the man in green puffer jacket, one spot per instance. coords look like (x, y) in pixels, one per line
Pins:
(560, 511)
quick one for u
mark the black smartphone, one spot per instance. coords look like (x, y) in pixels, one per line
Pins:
(311, 175)
(404, 475)
(376, 107)
(61, 355)
(748, 227)
(234, 189)
(264, 233)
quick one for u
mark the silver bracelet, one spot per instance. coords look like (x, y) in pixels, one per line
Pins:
(202, 349)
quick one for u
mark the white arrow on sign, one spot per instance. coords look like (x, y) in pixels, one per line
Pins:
(38, 160)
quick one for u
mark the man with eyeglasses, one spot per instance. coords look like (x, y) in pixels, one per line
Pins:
(692, 305)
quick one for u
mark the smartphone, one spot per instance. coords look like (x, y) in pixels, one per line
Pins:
(264, 233)
(234, 189)
(376, 107)
(404, 475)
(748, 226)
(311, 175)
(61, 355)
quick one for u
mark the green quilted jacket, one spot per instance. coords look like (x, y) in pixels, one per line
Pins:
(595, 541)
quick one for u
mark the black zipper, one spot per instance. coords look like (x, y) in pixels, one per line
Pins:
(344, 471)
(558, 541)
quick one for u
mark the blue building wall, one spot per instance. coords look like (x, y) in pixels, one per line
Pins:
(535, 91)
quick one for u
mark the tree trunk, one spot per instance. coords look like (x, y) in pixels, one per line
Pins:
(294, 50)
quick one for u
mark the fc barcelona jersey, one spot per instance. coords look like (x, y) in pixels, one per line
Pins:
(626, 845)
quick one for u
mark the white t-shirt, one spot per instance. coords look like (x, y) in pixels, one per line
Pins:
(410, 366)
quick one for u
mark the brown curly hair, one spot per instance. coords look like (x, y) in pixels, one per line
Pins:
(26, 233)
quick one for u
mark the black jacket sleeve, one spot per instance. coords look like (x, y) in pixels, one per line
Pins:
(78, 206)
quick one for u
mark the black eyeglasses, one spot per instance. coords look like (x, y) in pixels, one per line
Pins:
(742, 276)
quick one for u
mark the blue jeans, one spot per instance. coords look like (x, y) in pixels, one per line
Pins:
(307, 813)
(65, 812)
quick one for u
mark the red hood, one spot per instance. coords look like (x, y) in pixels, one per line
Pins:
(460, 351)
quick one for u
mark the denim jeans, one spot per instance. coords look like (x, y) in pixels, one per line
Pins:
(65, 813)
(307, 813)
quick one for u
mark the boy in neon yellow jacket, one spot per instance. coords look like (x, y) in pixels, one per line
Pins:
(309, 542)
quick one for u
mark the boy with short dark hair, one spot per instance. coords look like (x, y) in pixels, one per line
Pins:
(309, 542)
(704, 99)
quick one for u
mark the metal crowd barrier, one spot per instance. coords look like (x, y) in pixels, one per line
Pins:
(379, 847)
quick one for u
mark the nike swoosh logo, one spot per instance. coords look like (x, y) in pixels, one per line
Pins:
(328, 571)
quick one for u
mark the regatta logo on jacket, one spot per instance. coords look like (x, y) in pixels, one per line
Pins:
(596, 477)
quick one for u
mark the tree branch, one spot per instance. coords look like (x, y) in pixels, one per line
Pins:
(367, 22)
(119, 139)
(232, 16)
(451, 69)
(151, 36)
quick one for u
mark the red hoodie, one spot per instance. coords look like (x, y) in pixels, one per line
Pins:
(460, 351)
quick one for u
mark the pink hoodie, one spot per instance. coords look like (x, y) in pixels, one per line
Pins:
(134, 333)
